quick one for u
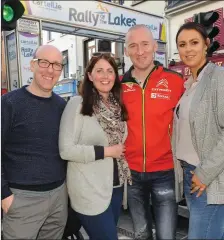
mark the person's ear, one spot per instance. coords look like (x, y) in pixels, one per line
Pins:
(155, 46)
(126, 52)
(207, 42)
(90, 77)
(32, 65)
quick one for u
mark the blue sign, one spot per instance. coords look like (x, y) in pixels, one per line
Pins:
(66, 88)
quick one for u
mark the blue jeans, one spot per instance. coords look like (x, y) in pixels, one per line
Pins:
(104, 226)
(160, 188)
(206, 221)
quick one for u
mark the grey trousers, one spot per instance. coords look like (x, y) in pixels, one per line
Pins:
(36, 215)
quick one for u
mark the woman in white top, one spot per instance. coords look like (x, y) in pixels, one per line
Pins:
(92, 133)
(198, 136)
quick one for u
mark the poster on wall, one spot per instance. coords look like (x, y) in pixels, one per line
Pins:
(161, 57)
(28, 43)
(4, 80)
(12, 61)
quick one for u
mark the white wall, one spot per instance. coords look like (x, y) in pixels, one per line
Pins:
(80, 53)
(71, 43)
(178, 19)
(54, 35)
(153, 7)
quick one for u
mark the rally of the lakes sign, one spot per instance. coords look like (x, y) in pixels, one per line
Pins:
(96, 18)
(95, 15)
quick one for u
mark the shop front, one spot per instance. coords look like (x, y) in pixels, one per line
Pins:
(95, 20)
(185, 71)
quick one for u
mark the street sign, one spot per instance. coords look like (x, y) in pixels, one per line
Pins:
(28, 26)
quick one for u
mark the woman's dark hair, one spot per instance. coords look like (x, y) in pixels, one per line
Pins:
(90, 94)
(193, 26)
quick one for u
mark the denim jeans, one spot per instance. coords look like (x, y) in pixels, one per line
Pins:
(104, 226)
(160, 188)
(206, 221)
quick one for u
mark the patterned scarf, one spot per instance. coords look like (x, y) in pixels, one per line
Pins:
(109, 118)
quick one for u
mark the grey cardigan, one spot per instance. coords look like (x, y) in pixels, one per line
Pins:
(207, 132)
(89, 182)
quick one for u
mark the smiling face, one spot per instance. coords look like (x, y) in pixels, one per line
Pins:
(103, 77)
(140, 47)
(45, 78)
(192, 48)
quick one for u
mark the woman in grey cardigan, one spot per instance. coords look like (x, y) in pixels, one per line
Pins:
(92, 133)
(198, 136)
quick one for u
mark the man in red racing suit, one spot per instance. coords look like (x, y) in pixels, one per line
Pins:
(150, 94)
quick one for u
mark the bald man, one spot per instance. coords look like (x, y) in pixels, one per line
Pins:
(34, 196)
(150, 93)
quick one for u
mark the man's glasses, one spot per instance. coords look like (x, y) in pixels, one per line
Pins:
(45, 64)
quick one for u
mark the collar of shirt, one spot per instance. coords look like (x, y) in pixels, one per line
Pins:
(200, 72)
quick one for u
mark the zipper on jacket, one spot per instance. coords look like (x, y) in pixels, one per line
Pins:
(169, 132)
(143, 117)
(143, 129)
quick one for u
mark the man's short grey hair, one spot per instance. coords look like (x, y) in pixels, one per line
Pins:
(136, 27)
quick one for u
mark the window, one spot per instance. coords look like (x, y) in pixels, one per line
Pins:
(66, 66)
(119, 2)
(91, 49)
(49, 36)
(175, 3)
(134, 2)
(172, 2)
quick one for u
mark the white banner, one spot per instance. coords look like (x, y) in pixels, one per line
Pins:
(28, 43)
(12, 61)
(95, 15)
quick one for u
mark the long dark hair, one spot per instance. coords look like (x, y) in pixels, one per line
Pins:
(90, 94)
(193, 26)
